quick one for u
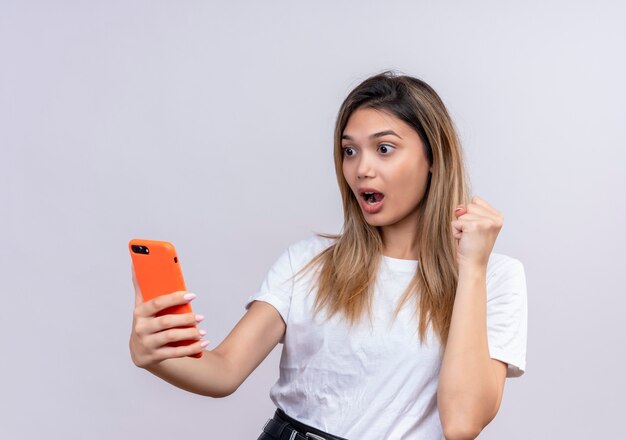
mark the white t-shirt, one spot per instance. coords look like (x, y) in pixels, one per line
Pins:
(377, 382)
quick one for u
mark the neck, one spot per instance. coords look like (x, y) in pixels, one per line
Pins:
(400, 242)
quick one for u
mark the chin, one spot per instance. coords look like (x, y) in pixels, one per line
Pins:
(377, 221)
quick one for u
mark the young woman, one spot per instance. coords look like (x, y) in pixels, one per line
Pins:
(403, 326)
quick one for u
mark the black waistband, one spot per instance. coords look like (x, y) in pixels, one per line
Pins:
(282, 424)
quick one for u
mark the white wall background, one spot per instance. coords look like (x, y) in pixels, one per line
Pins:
(209, 124)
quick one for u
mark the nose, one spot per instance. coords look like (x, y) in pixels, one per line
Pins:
(364, 167)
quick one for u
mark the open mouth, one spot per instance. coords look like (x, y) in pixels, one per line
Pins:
(372, 197)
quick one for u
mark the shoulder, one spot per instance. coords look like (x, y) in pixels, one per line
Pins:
(505, 270)
(501, 262)
(303, 250)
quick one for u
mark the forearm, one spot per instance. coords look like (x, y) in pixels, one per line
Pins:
(467, 389)
(209, 375)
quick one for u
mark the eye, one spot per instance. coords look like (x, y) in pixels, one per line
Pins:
(345, 149)
(386, 146)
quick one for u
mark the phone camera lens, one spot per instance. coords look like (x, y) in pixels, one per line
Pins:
(140, 249)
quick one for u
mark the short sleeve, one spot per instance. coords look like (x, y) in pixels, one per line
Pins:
(277, 287)
(507, 315)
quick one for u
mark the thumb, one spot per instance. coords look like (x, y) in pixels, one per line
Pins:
(138, 296)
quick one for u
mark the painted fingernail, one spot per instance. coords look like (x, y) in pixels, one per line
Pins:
(458, 209)
(189, 296)
(199, 318)
(202, 332)
(204, 343)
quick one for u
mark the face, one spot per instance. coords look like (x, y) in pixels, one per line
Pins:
(385, 154)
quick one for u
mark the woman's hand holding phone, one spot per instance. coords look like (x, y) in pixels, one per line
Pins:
(150, 334)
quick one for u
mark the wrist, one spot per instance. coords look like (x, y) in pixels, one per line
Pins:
(472, 270)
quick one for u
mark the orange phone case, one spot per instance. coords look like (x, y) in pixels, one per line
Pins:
(158, 273)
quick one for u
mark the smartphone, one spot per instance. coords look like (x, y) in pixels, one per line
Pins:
(158, 272)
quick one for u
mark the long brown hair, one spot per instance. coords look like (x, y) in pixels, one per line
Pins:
(349, 266)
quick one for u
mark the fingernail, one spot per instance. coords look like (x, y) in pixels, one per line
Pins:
(457, 209)
(189, 296)
(204, 343)
(199, 318)
(202, 332)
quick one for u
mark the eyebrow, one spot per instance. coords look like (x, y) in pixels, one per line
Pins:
(375, 135)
